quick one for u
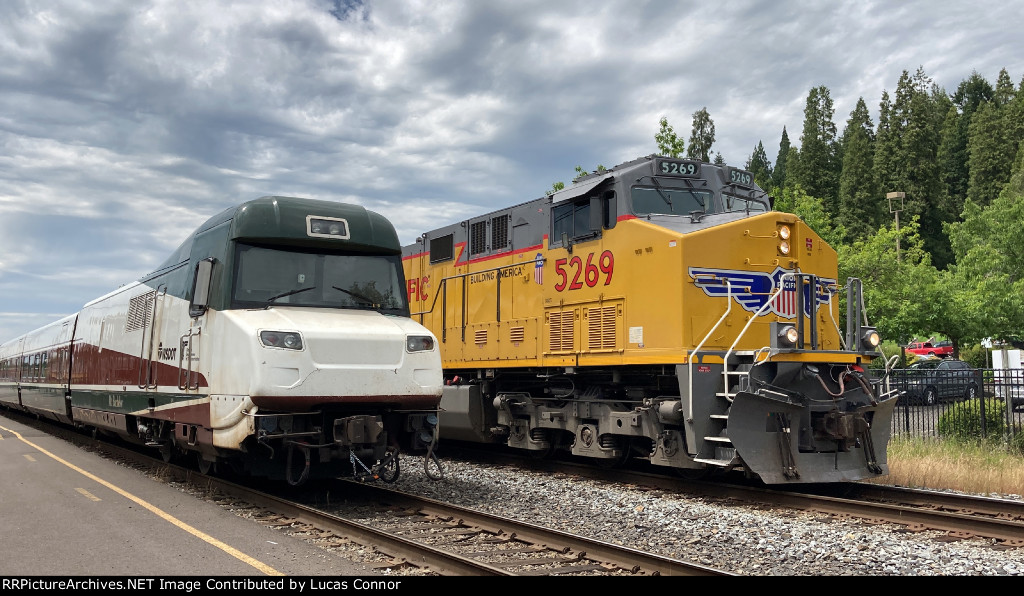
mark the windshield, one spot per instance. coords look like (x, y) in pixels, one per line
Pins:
(671, 201)
(267, 276)
(734, 203)
(925, 364)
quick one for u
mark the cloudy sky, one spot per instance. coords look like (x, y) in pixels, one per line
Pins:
(124, 124)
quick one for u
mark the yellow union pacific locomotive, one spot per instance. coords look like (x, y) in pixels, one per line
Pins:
(659, 310)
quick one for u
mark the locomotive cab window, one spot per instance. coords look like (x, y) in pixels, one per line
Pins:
(582, 219)
(737, 203)
(664, 200)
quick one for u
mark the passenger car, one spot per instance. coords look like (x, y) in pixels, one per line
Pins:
(942, 349)
(931, 381)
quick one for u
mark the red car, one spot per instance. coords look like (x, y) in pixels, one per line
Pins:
(942, 349)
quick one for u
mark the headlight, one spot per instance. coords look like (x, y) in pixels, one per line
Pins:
(419, 343)
(290, 340)
(869, 338)
(788, 336)
(784, 247)
(784, 232)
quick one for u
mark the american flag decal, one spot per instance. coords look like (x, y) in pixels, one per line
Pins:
(785, 304)
(538, 269)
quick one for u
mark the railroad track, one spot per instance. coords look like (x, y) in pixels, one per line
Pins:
(954, 516)
(408, 534)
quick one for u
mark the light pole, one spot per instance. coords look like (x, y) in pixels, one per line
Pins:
(895, 207)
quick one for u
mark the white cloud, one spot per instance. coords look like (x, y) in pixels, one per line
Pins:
(124, 124)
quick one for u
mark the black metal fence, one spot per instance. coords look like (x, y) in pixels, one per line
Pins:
(925, 395)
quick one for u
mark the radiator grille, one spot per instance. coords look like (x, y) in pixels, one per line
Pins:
(601, 328)
(517, 334)
(139, 312)
(561, 328)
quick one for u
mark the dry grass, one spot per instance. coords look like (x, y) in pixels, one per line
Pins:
(920, 463)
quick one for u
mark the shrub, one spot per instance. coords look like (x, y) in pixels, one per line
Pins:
(975, 355)
(962, 421)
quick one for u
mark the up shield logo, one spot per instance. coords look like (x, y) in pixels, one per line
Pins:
(753, 289)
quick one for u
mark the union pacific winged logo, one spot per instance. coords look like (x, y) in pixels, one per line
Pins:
(753, 289)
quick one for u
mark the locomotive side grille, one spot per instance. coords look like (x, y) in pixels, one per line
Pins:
(561, 327)
(480, 337)
(499, 232)
(601, 328)
(478, 237)
(138, 312)
(517, 334)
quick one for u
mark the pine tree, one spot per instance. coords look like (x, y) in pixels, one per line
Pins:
(990, 156)
(1004, 92)
(760, 167)
(702, 136)
(818, 173)
(859, 201)
(779, 173)
(952, 160)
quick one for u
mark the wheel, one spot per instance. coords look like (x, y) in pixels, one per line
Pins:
(616, 462)
(205, 466)
(167, 452)
(972, 392)
(541, 435)
(930, 396)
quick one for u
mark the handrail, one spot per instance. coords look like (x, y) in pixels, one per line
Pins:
(728, 298)
(144, 358)
(443, 289)
(750, 321)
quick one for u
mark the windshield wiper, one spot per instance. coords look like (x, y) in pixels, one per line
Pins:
(360, 297)
(288, 293)
(668, 201)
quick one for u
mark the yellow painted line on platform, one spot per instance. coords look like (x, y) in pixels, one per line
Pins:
(88, 495)
(264, 568)
(29, 457)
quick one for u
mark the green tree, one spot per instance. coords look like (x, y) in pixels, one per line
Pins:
(818, 173)
(989, 152)
(702, 136)
(779, 173)
(719, 160)
(860, 203)
(760, 167)
(953, 161)
(792, 165)
(990, 259)
(669, 144)
(901, 295)
(1004, 92)
(905, 159)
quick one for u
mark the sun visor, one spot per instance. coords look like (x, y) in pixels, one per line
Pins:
(580, 188)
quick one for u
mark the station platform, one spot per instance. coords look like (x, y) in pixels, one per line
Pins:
(67, 512)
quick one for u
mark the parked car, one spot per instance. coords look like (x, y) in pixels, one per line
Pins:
(942, 349)
(933, 380)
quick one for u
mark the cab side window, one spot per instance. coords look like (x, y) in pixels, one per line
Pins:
(582, 218)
